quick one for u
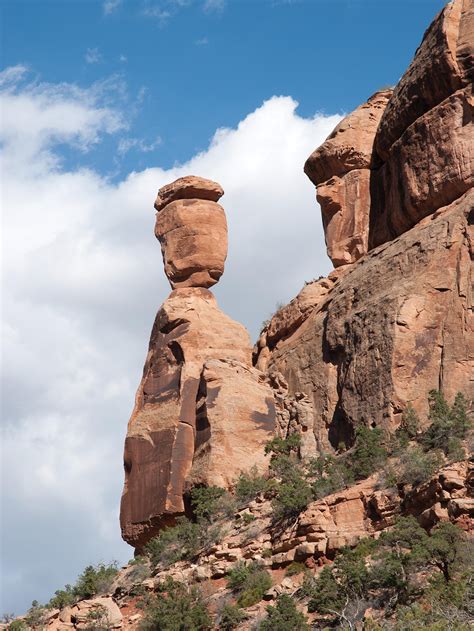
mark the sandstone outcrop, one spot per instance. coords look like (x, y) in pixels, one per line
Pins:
(192, 230)
(395, 325)
(402, 155)
(424, 143)
(394, 181)
(341, 170)
(202, 413)
(188, 187)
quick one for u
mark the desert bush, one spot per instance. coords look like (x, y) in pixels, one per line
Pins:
(292, 491)
(284, 616)
(95, 580)
(62, 598)
(176, 608)
(292, 496)
(176, 543)
(250, 581)
(98, 620)
(210, 502)
(331, 474)
(417, 466)
(18, 625)
(295, 568)
(449, 424)
(230, 617)
(368, 454)
(249, 485)
(36, 617)
(283, 446)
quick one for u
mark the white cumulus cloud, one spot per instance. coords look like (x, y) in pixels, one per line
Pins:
(82, 280)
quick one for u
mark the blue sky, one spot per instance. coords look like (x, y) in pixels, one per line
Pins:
(193, 66)
(102, 102)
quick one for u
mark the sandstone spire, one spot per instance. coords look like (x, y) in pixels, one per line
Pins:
(202, 414)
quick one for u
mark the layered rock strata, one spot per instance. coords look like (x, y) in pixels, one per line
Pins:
(395, 325)
(394, 181)
(403, 154)
(341, 168)
(202, 414)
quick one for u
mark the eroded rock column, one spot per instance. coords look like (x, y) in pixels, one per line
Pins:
(202, 414)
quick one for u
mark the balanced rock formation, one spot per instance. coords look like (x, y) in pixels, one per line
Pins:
(202, 413)
(395, 319)
(192, 230)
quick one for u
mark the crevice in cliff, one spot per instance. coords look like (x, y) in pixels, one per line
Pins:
(203, 427)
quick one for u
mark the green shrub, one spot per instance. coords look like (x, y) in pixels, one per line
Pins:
(449, 425)
(175, 543)
(250, 581)
(416, 466)
(230, 617)
(284, 617)
(249, 485)
(179, 608)
(369, 453)
(98, 620)
(292, 496)
(291, 488)
(295, 568)
(332, 474)
(248, 518)
(324, 592)
(283, 446)
(95, 580)
(18, 625)
(207, 501)
(62, 598)
(408, 429)
(36, 616)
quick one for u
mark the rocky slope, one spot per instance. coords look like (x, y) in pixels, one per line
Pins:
(358, 350)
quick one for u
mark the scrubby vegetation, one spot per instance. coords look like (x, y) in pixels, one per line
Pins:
(394, 575)
(249, 581)
(284, 616)
(176, 607)
(408, 578)
(230, 617)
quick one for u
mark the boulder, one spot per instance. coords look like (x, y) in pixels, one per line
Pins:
(193, 237)
(188, 187)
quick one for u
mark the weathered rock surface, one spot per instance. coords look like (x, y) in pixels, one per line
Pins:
(395, 179)
(193, 237)
(202, 412)
(189, 187)
(235, 419)
(393, 326)
(443, 64)
(341, 170)
(168, 423)
(402, 155)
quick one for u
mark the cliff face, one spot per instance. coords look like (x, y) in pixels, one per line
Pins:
(394, 181)
(392, 321)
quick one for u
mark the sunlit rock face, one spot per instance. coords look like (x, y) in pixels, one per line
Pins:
(202, 413)
(395, 319)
